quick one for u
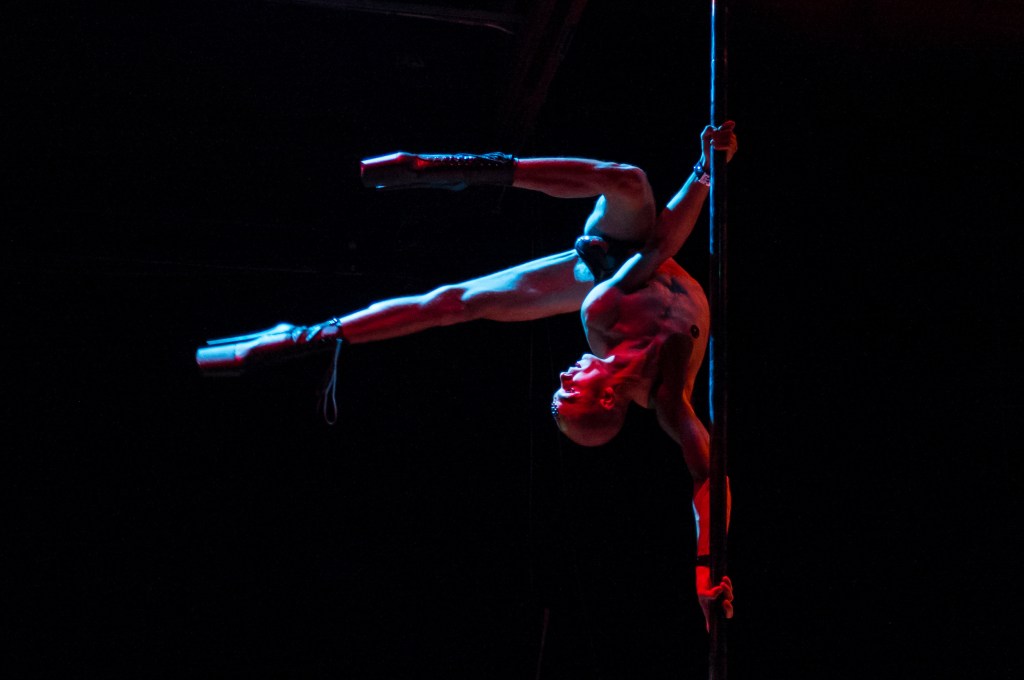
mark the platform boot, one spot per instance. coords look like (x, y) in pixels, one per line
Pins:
(235, 355)
(403, 170)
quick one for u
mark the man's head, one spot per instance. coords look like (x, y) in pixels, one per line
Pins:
(586, 406)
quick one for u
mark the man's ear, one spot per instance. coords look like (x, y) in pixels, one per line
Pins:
(607, 399)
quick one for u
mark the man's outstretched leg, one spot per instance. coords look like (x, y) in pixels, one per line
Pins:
(540, 288)
(532, 290)
(624, 210)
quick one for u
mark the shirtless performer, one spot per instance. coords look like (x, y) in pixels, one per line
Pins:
(646, 319)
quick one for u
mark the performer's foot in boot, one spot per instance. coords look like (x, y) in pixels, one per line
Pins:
(402, 170)
(235, 355)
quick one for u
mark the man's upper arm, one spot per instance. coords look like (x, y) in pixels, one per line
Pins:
(675, 413)
(636, 271)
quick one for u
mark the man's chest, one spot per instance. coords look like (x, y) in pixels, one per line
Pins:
(666, 305)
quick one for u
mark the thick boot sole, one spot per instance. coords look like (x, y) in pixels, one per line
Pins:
(454, 172)
(229, 357)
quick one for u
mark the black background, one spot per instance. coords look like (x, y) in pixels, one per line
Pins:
(186, 171)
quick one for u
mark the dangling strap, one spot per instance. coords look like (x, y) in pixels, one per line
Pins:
(329, 398)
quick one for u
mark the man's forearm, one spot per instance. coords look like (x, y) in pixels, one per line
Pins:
(709, 594)
(702, 514)
(679, 216)
(683, 210)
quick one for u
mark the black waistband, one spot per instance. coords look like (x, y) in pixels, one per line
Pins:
(604, 255)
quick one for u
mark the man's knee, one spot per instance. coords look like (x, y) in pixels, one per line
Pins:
(624, 179)
(627, 188)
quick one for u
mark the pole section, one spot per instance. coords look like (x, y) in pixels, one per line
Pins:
(717, 658)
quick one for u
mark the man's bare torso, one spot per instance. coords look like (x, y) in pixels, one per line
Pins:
(672, 302)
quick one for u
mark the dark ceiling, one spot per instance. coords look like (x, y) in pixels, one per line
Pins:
(234, 121)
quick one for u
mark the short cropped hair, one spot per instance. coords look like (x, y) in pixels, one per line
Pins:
(593, 427)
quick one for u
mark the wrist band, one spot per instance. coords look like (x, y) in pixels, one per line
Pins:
(703, 560)
(702, 177)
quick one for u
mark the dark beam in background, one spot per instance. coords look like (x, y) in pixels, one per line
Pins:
(541, 47)
(506, 20)
(542, 32)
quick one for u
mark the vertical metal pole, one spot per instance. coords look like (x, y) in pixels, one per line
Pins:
(717, 666)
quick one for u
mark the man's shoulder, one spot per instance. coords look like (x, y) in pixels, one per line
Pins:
(602, 302)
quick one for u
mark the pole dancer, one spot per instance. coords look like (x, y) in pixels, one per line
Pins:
(646, 319)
